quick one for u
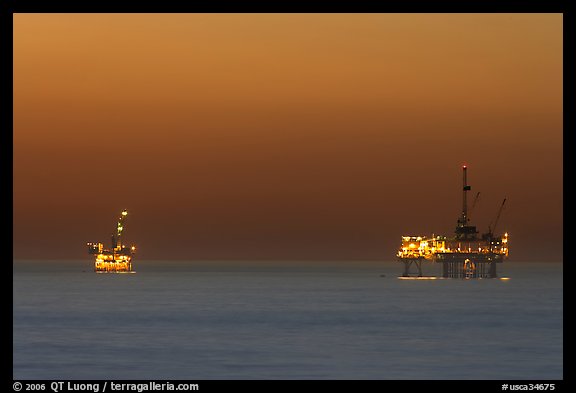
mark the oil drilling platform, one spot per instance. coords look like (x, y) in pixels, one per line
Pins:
(116, 259)
(463, 255)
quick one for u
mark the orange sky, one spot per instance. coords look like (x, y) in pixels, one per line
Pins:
(282, 136)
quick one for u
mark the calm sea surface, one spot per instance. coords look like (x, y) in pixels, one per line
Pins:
(284, 320)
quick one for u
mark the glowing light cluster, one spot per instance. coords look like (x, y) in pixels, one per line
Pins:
(430, 248)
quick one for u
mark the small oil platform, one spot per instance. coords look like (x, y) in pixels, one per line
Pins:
(116, 259)
(463, 255)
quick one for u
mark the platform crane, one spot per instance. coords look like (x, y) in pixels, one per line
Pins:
(491, 228)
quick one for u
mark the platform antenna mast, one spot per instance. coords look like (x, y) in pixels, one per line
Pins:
(465, 189)
(120, 228)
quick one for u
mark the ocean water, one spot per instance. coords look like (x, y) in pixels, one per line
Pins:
(284, 320)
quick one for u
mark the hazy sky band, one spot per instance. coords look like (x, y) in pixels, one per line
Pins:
(284, 135)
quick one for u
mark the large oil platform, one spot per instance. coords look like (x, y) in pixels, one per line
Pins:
(116, 259)
(463, 255)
